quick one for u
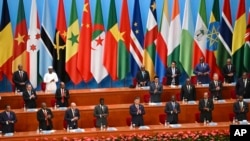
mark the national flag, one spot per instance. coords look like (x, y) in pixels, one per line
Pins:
(136, 40)
(213, 39)
(6, 42)
(200, 36)
(98, 70)
(72, 45)
(20, 55)
(33, 44)
(225, 36)
(161, 46)
(113, 35)
(123, 44)
(47, 35)
(239, 38)
(247, 46)
(150, 40)
(187, 34)
(174, 35)
(59, 50)
(84, 49)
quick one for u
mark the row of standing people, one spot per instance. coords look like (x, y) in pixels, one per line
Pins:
(136, 110)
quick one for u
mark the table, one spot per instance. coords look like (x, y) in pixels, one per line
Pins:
(58, 135)
(118, 114)
(84, 97)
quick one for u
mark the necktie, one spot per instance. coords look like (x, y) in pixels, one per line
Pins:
(8, 114)
(173, 104)
(188, 86)
(73, 113)
(245, 83)
(62, 93)
(216, 83)
(45, 115)
(229, 68)
(143, 73)
(21, 74)
(205, 102)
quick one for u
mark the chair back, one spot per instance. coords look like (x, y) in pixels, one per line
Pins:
(162, 118)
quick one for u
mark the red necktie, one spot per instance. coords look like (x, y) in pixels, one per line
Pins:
(45, 115)
(62, 93)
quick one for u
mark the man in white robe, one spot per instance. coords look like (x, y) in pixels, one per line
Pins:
(50, 78)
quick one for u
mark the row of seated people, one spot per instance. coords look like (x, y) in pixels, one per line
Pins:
(136, 110)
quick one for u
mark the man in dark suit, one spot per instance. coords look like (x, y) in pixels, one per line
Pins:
(206, 106)
(44, 117)
(229, 71)
(137, 111)
(243, 86)
(72, 115)
(172, 109)
(155, 90)
(29, 97)
(101, 113)
(143, 77)
(173, 74)
(202, 71)
(215, 87)
(240, 108)
(188, 91)
(20, 79)
(62, 96)
(8, 120)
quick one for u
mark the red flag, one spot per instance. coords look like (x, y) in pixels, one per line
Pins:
(20, 55)
(84, 49)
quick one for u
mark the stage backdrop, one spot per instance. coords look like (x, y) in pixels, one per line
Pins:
(102, 43)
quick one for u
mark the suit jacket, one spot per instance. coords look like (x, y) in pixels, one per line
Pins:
(58, 97)
(240, 115)
(101, 115)
(29, 103)
(155, 97)
(140, 78)
(188, 94)
(241, 89)
(69, 116)
(204, 79)
(8, 122)
(44, 123)
(137, 118)
(203, 113)
(17, 79)
(172, 117)
(226, 71)
(169, 74)
(213, 91)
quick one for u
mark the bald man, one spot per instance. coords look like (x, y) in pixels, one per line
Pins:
(206, 106)
(215, 87)
(72, 115)
(44, 117)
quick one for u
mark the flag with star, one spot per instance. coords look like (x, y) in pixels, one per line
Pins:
(150, 40)
(136, 40)
(47, 36)
(239, 38)
(98, 70)
(247, 46)
(186, 46)
(72, 45)
(225, 36)
(213, 39)
(123, 45)
(200, 34)
(113, 35)
(20, 55)
(59, 46)
(161, 46)
(33, 44)
(84, 49)
(6, 42)
(174, 35)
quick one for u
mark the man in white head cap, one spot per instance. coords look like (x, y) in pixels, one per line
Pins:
(50, 78)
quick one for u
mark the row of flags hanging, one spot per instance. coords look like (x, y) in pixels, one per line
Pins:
(86, 52)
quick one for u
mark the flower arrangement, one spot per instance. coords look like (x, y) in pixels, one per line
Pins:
(213, 135)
